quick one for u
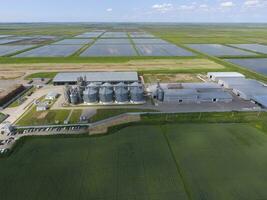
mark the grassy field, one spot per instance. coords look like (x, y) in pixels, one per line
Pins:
(106, 113)
(50, 117)
(210, 33)
(57, 29)
(2, 117)
(75, 116)
(186, 161)
(42, 75)
(220, 161)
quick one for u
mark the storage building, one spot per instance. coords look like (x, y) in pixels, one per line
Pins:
(215, 76)
(42, 107)
(51, 96)
(218, 96)
(190, 93)
(180, 95)
(261, 100)
(230, 83)
(247, 92)
(100, 77)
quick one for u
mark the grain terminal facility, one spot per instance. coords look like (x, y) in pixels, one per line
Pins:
(102, 88)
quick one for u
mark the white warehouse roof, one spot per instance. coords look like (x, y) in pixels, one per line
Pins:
(97, 76)
(215, 75)
(249, 92)
(51, 95)
(232, 82)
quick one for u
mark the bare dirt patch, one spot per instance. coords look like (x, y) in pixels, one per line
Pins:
(182, 78)
(5, 75)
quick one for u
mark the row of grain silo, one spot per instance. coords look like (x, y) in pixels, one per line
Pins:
(106, 93)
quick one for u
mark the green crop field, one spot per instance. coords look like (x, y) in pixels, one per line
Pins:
(102, 114)
(35, 118)
(75, 116)
(57, 29)
(221, 161)
(210, 33)
(168, 162)
(42, 75)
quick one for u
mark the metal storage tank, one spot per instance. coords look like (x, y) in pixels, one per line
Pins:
(107, 85)
(90, 95)
(74, 97)
(106, 93)
(160, 93)
(121, 93)
(137, 93)
(80, 92)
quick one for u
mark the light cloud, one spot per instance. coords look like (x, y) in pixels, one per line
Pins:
(109, 9)
(187, 7)
(227, 4)
(255, 3)
(204, 6)
(163, 7)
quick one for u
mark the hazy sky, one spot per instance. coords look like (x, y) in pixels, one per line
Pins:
(133, 11)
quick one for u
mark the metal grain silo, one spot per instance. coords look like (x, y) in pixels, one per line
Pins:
(90, 95)
(160, 93)
(106, 93)
(137, 93)
(74, 96)
(121, 93)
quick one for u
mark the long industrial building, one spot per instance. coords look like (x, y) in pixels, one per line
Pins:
(247, 89)
(189, 93)
(71, 78)
(215, 76)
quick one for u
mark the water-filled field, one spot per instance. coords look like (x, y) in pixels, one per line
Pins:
(5, 36)
(10, 49)
(162, 50)
(141, 35)
(150, 41)
(252, 47)
(51, 51)
(114, 35)
(219, 50)
(8, 40)
(109, 50)
(258, 65)
(113, 41)
(89, 35)
(74, 41)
